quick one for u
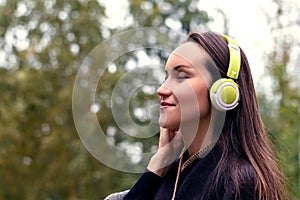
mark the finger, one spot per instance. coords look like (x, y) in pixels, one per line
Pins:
(177, 141)
(166, 136)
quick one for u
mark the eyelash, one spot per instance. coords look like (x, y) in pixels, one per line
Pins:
(182, 77)
(179, 77)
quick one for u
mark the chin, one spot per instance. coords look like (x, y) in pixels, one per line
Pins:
(168, 124)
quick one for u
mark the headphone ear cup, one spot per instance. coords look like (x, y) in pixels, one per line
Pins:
(224, 94)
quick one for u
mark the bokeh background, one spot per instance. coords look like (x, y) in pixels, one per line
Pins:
(43, 44)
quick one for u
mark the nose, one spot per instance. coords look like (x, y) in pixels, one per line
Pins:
(163, 91)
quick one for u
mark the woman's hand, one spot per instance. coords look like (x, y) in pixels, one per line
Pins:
(169, 148)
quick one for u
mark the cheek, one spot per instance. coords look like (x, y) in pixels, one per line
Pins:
(203, 98)
(194, 99)
(204, 102)
(187, 102)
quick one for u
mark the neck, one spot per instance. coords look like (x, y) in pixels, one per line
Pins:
(201, 138)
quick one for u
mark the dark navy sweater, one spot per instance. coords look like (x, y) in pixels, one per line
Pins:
(193, 183)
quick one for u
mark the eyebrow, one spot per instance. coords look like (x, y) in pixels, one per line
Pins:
(178, 67)
(181, 66)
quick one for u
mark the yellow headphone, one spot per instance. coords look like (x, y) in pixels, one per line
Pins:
(224, 93)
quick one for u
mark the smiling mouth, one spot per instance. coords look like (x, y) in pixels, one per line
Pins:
(166, 104)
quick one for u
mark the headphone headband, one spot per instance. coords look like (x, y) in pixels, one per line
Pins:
(224, 93)
(234, 57)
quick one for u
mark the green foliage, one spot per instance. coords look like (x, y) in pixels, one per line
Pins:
(43, 43)
(281, 112)
(282, 120)
(182, 14)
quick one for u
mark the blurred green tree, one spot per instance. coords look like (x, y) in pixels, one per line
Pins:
(181, 15)
(281, 109)
(43, 43)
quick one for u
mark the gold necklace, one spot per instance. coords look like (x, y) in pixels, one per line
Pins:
(200, 154)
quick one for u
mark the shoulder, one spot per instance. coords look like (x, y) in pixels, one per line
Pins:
(234, 177)
(145, 187)
(240, 180)
(244, 171)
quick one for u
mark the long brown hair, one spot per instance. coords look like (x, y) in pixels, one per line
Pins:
(243, 132)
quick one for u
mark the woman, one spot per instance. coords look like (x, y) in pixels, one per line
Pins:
(217, 126)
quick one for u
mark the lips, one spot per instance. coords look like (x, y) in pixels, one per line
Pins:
(166, 104)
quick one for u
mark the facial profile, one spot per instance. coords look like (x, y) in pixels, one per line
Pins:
(184, 94)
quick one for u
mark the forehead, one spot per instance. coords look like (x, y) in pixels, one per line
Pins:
(193, 55)
(188, 53)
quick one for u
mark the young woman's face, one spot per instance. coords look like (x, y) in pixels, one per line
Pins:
(184, 94)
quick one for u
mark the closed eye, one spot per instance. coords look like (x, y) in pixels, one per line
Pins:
(181, 75)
